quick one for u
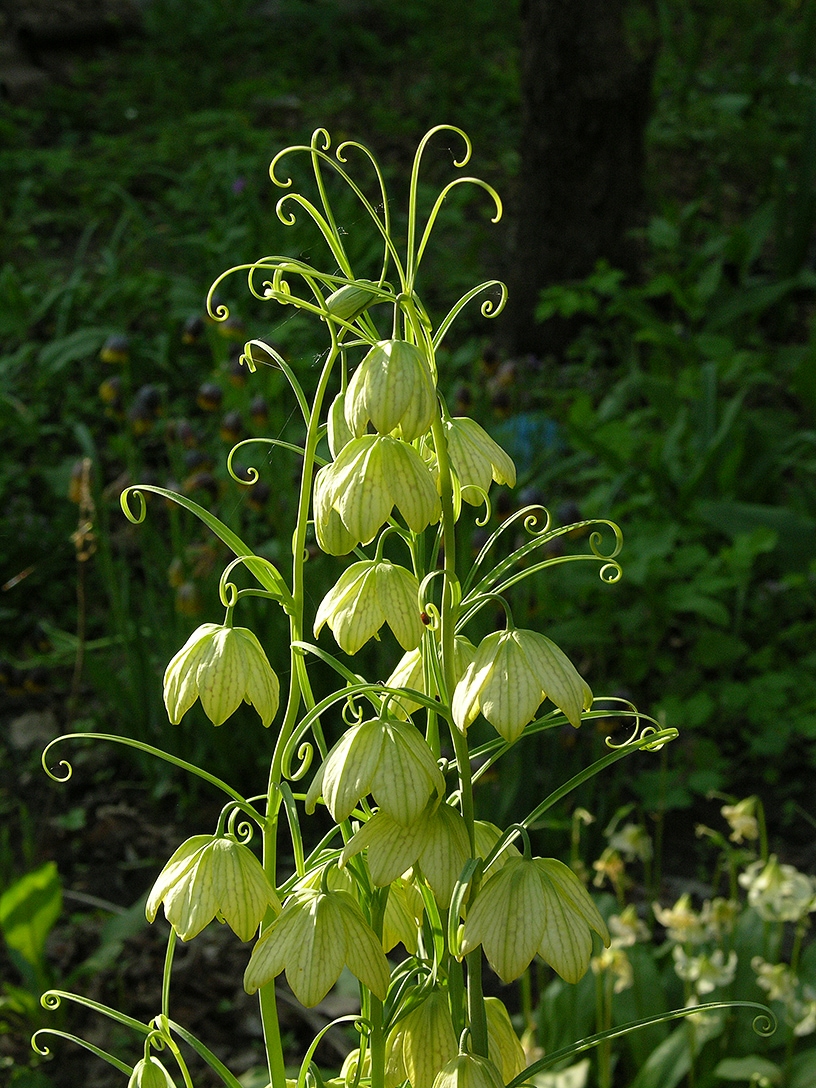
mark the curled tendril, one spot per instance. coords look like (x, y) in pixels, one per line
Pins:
(69, 770)
(305, 754)
(228, 592)
(351, 713)
(488, 308)
(765, 1023)
(138, 495)
(241, 829)
(251, 471)
(532, 518)
(434, 621)
(51, 1000)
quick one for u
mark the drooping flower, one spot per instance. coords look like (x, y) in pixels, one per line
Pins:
(706, 971)
(437, 841)
(402, 921)
(393, 389)
(534, 906)
(367, 595)
(385, 757)
(223, 666)
(510, 676)
(209, 877)
(423, 1042)
(476, 459)
(355, 494)
(316, 934)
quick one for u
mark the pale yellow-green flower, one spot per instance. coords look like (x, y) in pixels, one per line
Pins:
(209, 877)
(367, 595)
(742, 819)
(476, 459)
(150, 1073)
(510, 676)
(316, 934)
(355, 494)
(338, 433)
(223, 666)
(424, 1042)
(534, 905)
(385, 757)
(779, 893)
(402, 922)
(437, 841)
(393, 389)
(409, 674)
(503, 1044)
(469, 1071)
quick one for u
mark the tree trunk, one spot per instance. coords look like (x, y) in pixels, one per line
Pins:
(586, 76)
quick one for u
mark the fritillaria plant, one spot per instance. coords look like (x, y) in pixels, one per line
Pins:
(410, 867)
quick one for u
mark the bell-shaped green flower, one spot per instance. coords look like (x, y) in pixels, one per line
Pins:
(505, 1048)
(150, 1073)
(424, 1042)
(316, 934)
(409, 673)
(476, 459)
(355, 494)
(223, 666)
(367, 595)
(510, 676)
(385, 757)
(393, 389)
(534, 906)
(209, 877)
(437, 841)
(469, 1071)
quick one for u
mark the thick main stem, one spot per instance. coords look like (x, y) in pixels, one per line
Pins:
(475, 995)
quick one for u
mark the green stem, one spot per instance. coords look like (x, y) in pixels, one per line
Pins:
(266, 994)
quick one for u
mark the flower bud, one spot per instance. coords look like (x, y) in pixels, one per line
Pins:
(150, 1073)
(469, 1071)
(392, 388)
(367, 595)
(352, 299)
(512, 673)
(339, 434)
(223, 666)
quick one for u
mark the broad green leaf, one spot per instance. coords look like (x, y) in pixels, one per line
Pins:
(28, 911)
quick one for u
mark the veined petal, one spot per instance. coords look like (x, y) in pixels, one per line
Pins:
(406, 775)
(428, 1041)
(350, 767)
(366, 501)
(392, 847)
(192, 902)
(560, 680)
(445, 849)
(180, 676)
(511, 692)
(181, 861)
(352, 608)
(220, 677)
(243, 888)
(363, 954)
(315, 965)
(487, 835)
(270, 954)
(401, 921)
(506, 1051)
(397, 591)
(467, 693)
(573, 893)
(261, 685)
(411, 484)
(407, 674)
(507, 919)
